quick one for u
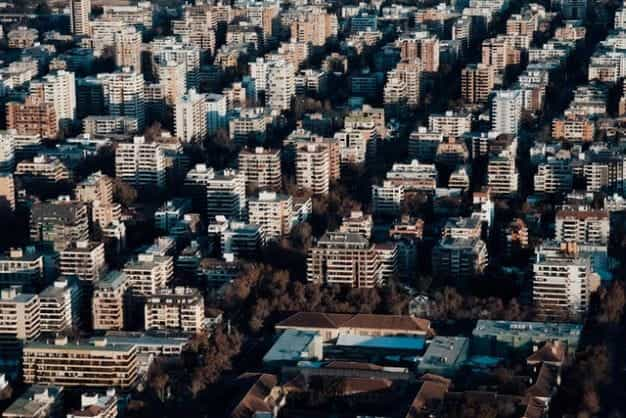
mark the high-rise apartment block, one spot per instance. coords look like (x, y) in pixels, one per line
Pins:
(261, 167)
(20, 313)
(226, 195)
(79, 17)
(477, 82)
(58, 307)
(344, 259)
(43, 169)
(123, 95)
(180, 309)
(422, 45)
(582, 226)
(190, 116)
(110, 300)
(96, 186)
(84, 259)
(7, 191)
(127, 47)
(273, 212)
(313, 167)
(141, 163)
(33, 117)
(506, 111)
(58, 89)
(149, 273)
(459, 259)
(450, 123)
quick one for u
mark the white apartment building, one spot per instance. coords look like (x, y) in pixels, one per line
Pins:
(110, 297)
(313, 167)
(562, 286)
(141, 163)
(7, 150)
(226, 195)
(169, 49)
(216, 110)
(502, 175)
(123, 94)
(178, 309)
(583, 226)
(19, 314)
(281, 85)
(59, 89)
(506, 111)
(190, 116)
(21, 268)
(273, 212)
(413, 176)
(149, 273)
(357, 222)
(261, 167)
(96, 405)
(450, 123)
(84, 259)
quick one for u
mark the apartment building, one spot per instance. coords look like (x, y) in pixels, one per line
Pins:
(345, 259)
(139, 14)
(477, 82)
(241, 239)
(43, 169)
(22, 37)
(7, 191)
(562, 285)
(33, 117)
(39, 401)
(59, 307)
(422, 45)
(502, 175)
(84, 259)
(423, 144)
(281, 85)
(7, 150)
(58, 223)
(273, 212)
(190, 116)
(123, 95)
(79, 17)
(450, 123)
(58, 89)
(96, 186)
(582, 226)
(554, 176)
(96, 405)
(180, 309)
(357, 222)
(20, 313)
(357, 143)
(387, 198)
(80, 364)
(459, 259)
(169, 49)
(22, 267)
(149, 273)
(261, 168)
(226, 195)
(506, 111)
(413, 176)
(312, 25)
(404, 84)
(500, 53)
(141, 163)
(248, 126)
(110, 300)
(576, 128)
(127, 48)
(313, 167)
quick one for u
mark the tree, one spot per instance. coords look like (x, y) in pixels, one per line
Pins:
(123, 192)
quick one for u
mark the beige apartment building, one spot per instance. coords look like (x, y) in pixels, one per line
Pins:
(110, 298)
(43, 168)
(21, 267)
(344, 259)
(178, 309)
(7, 191)
(149, 273)
(96, 186)
(58, 223)
(273, 212)
(261, 167)
(84, 259)
(57, 304)
(313, 167)
(19, 314)
(80, 364)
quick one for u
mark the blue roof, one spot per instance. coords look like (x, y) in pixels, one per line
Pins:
(392, 343)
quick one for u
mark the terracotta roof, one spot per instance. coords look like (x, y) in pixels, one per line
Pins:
(395, 322)
(432, 392)
(315, 320)
(259, 387)
(550, 352)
